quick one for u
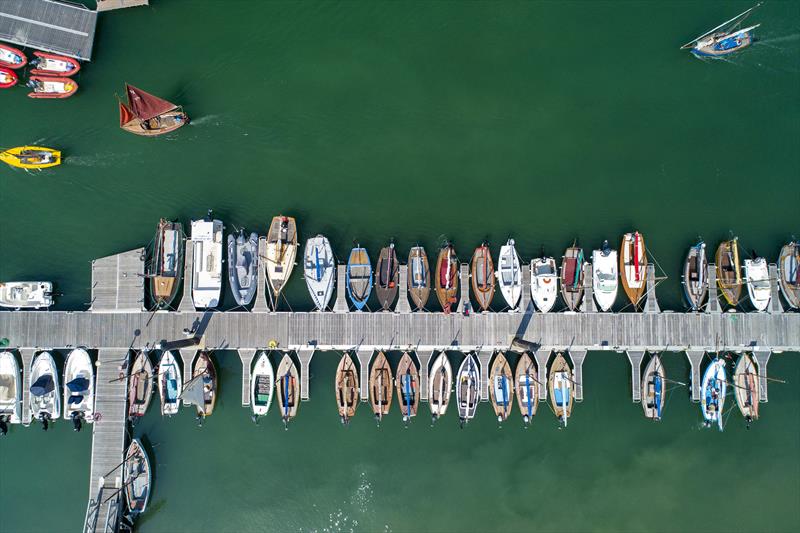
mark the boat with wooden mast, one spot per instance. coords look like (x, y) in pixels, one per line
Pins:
(789, 273)
(729, 271)
(281, 252)
(561, 390)
(483, 276)
(527, 388)
(407, 383)
(388, 277)
(509, 274)
(440, 381)
(747, 387)
(165, 269)
(653, 382)
(346, 386)
(288, 389)
(319, 267)
(695, 280)
(170, 383)
(206, 374)
(468, 393)
(447, 277)
(380, 387)
(419, 277)
(136, 479)
(140, 386)
(262, 386)
(632, 266)
(501, 387)
(149, 115)
(572, 277)
(725, 39)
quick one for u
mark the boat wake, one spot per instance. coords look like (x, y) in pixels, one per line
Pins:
(95, 160)
(206, 119)
(776, 40)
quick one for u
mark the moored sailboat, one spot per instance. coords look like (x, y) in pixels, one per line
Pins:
(288, 389)
(695, 280)
(789, 273)
(137, 478)
(468, 392)
(501, 387)
(205, 379)
(759, 288)
(359, 277)
(509, 274)
(483, 276)
(243, 266)
(319, 269)
(604, 276)
(747, 387)
(140, 386)
(78, 388)
(170, 384)
(572, 277)
(725, 39)
(729, 272)
(447, 277)
(544, 283)
(165, 269)
(207, 262)
(407, 383)
(653, 381)
(561, 391)
(440, 381)
(387, 278)
(380, 387)
(281, 252)
(149, 115)
(419, 277)
(712, 393)
(346, 387)
(262, 386)
(527, 387)
(632, 266)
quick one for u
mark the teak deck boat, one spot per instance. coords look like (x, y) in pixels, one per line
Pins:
(419, 277)
(140, 386)
(281, 252)
(149, 115)
(501, 387)
(388, 277)
(359, 277)
(166, 265)
(695, 280)
(206, 374)
(572, 277)
(653, 381)
(447, 277)
(527, 387)
(440, 381)
(483, 276)
(729, 271)
(346, 386)
(632, 266)
(561, 389)
(407, 383)
(262, 385)
(380, 387)
(789, 273)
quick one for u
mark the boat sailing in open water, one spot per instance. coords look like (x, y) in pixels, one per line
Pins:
(387, 277)
(725, 39)
(149, 115)
(243, 266)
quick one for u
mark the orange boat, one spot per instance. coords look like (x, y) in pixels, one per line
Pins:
(149, 115)
(8, 78)
(51, 87)
(11, 57)
(54, 65)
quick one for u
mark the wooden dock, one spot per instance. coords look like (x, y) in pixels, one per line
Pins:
(108, 5)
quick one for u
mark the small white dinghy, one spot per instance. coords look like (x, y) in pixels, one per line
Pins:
(78, 388)
(319, 267)
(605, 280)
(468, 389)
(262, 386)
(26, 294)
(509, 274)
(440, 382)
(45, 400)
(544, 283)
(170, 384)
(10, 391)
(758, 284)
(136, 478)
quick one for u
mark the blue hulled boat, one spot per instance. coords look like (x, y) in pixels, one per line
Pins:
(359, 277)
(725, 39)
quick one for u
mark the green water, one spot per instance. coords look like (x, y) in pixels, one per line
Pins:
(419, 122)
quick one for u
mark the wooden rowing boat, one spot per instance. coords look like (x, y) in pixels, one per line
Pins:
(205, 371)
(653, 384)
(165, 269)
(140, 386)
(380, 387)
(729, 272)
(789, 273)
(137, 478)
(561, 388)
(359, 277)
(288, 389)
(346, 386)
(747, 387)
(387, 277)
(419, 277)
(483, 276)
(170, 384)
(527, 386)
(440, 382)
(407, 383)
(148, 115)
(695, 279)
(712, 393)
(281, 252)
(572, 277)
(447, 277)
(501, 387)
(632, 266)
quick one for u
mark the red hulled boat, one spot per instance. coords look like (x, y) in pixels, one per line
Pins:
(149, 115)
(8, 78)
(51, 87)
(54, 65)
(11, 57)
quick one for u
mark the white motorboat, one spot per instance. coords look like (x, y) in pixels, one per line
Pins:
(544, 283)
(605, 280)
(509, 274)
(207, 262)
(78, 388)
(468, 390)
(262, 385)
(10, 391)
(26, 294)
(170, 384)
(758, 284)
(243, 266)
(45, 400)
(440, 382)
(319, 267)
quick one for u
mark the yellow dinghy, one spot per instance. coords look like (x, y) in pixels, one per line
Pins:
(31, 157)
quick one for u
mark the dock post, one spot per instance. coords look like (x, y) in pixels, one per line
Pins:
(424, 363)
(465, 283)
(305, 355)
(187, 303)
(525, 301)
(260, 305)
(762, 357)
(651, 303)
(188, 355)
(484, 358)
(713, 305)
(542, 356)
(27, 360)
(246, 355)
(588, 305)
(364, 356)
(775, 305)
(578, 356)
(403, 306)
(635, 357)
(696, 360)
(340, 306)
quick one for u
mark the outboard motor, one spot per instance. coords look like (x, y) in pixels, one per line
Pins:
(76, 421)
(254, 418)
(45, 418)
(3, 426)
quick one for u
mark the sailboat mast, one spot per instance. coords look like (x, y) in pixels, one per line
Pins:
(712, 30)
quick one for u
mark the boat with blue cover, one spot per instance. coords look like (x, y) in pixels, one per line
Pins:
(359, 277)
(560, 384)
(712, 393)
(243, 266)
(527, 388)
(653, 382)
(501, 387)
(727, 38)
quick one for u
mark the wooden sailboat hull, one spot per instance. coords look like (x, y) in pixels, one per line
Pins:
(572, 277)
(166, 263)
(653, 384)
(204, 366)
(468, 388)
(419, 277)
(729, 278)
(140, 385)
(632, 266)
(447, 277)
(346, 386)
(359, 277)
(380, 386)
(509, 274)
(407, 384)
(789, 273)
(695, 280)
(287, 388)
(440, 382)
(560, 372)
(137, 478)
(281, 252)
(387, 277)
(747, 386)
(501, 387)
(164, 123)
(527, 387)
(483, 277)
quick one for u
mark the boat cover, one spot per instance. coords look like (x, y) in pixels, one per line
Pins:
(78, 384)
(569, 270)
(43, 385)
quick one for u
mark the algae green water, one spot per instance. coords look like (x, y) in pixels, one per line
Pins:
(423, 121)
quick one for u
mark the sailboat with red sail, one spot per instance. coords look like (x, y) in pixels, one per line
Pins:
(149, 115)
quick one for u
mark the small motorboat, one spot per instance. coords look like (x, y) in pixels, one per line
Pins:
(78, 388)
(407, 383)
(31, 157)
(243, 266)
(166, 265)
(419, 277)
(170, 384)
(483, 276)
(8, 78)
(789, 273)
(509, 274)
(729, 272)
(527, 387)
(632, 266)
(288, 388)
(262, 386)
(572, 277)
(695, 280)
(201, 390)
(747, 387)
(653, 382)
(387, 277)
(26, 294)
(501, 387)
(51, 87)
(346, 386)
(10, 391)
(149, 115)
(604, 276)
(380, 387)
(712, 393)
(759, 288)
(207, 262)
(359, 277)
(447, 277)
(560, 384)
(319, 269)
(140, 386)
(53, 65)
(725, 39)
(45, 398)
(11, 57)
(281, 252)
(468, 391)
(440, 382)
(544, 283)
(136, 478)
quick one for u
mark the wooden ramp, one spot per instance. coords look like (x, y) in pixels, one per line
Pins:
(118, 282)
